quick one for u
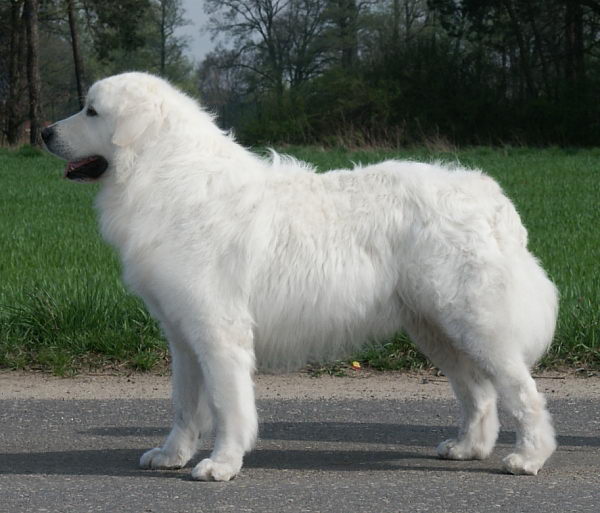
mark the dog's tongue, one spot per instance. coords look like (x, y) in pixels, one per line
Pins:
(74, 164)
(71, 166)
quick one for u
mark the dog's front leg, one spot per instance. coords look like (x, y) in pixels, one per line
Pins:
(228, 366)
(192, 411)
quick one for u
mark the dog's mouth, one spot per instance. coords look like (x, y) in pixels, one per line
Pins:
(88, 169)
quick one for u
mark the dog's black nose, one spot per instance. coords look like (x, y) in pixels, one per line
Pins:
(47, 134)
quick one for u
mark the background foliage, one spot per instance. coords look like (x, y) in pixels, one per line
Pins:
(391, 71)
(113, 37)
(378, 72)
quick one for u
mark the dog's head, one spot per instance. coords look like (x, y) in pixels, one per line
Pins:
(121, 112)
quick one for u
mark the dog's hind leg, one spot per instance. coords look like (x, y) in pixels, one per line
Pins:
(192, 412)
(228, 366)
(477, 375)
(479, 426)
(535, 434)
(474, 391)
(513, 326)
(498, 362)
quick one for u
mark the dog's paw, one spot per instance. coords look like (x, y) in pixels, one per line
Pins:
(517, 464)
(158, 458)
(456, 450)
(209, 470)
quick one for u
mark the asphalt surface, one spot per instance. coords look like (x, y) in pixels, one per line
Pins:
(313, 456)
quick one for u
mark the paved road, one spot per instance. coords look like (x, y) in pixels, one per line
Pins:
(314, 456)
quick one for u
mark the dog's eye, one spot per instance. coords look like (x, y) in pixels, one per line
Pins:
(91, 112)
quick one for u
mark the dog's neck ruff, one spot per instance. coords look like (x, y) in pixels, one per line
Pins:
(161, 171)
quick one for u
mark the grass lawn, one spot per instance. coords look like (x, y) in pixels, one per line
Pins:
(62, 307)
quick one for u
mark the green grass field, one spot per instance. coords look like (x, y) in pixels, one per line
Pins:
(62, 307)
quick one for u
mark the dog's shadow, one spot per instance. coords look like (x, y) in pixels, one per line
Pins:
(123, 462)
(284, 446)
(93, 462)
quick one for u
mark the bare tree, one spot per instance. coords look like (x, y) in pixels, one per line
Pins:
(222, 85)
(344, 14)
(15, 73)
(277, 40)
(33, 71)
(302, 26)
(574, 51)
(346, 24)
(77, 59)
(251, 26)
(169, 15)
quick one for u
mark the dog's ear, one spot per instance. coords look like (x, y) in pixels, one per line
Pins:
(141, 118)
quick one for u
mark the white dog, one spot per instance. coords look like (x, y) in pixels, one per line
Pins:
(247, 261)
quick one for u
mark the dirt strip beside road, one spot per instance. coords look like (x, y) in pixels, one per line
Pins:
(361, 384)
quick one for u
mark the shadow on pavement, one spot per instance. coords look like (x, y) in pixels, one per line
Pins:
(123, 462)
(410, 435)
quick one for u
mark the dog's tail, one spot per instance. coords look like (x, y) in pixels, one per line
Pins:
(534, 304)
(502, 216)
(508, 227)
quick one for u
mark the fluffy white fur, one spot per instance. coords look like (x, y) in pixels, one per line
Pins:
(252, 262)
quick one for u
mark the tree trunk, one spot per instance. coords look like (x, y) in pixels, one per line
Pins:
(13, 114)
(347, 17)
(77, 60)
(396, 25)
(523, 49)
(33, 72)
(537, 43)
(574, 51)
(163, 37)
